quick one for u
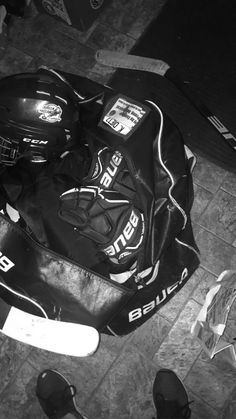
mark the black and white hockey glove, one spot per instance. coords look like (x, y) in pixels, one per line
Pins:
(107, 218)
(109, 171)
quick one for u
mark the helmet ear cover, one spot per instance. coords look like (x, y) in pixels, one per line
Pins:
(34, 144)
(9, 151)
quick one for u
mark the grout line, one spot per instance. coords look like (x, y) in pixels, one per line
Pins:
(12, 379)
(214, 234)
(204, 402)
(108, 369)
(230, 193)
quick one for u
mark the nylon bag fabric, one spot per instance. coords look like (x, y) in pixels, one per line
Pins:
(43, 274)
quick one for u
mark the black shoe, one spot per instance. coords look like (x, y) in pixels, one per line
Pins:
(170, 397)
(56, 395)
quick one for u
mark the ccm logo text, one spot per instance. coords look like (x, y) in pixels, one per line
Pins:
(32, 141)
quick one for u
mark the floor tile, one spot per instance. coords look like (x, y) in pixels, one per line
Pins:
(2, 338)
(145, 17)
(86, 372)
(108, 38)
(149, 336)
(202, 197)
(100, 73)
(200, 409)
(229, 409)
(229, 183)
(14, 61)
(220, 216)
(196, 229)
(131, 17)
(179, 350)
(212, 380)
(81, 61)
(216, 254)
(12, 355)
(172, 309)
(20, 396)
(207, 280)
(208, 175)
(126, 391)
(79, 36)
(23, 30)
(63, 53)
(121, 15)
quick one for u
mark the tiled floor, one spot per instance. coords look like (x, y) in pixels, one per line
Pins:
(116, 383)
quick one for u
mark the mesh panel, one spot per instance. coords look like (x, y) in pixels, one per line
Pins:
(8, 151)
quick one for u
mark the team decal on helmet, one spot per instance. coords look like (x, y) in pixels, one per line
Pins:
(50, 112)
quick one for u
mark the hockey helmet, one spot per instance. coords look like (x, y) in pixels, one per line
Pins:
(39, 117)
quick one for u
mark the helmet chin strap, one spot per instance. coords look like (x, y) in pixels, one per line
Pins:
(81, 99)
(62, 79)
(97, 98)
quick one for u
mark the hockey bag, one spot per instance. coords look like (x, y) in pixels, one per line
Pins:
(133, 207)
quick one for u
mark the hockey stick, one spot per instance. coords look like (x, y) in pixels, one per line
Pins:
(134, 62)
(60, 337)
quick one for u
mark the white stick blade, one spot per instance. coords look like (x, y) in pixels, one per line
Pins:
(132, 62)
(60, 337)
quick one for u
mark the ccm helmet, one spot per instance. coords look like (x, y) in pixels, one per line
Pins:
(39, 117)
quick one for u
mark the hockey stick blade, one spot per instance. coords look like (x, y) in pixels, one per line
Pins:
(134, 62)
(60, 337)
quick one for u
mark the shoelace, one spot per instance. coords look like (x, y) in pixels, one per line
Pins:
(186, 412)
(171, 409)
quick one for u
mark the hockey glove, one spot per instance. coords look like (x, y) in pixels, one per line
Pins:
(109, 171)
(107, 218)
